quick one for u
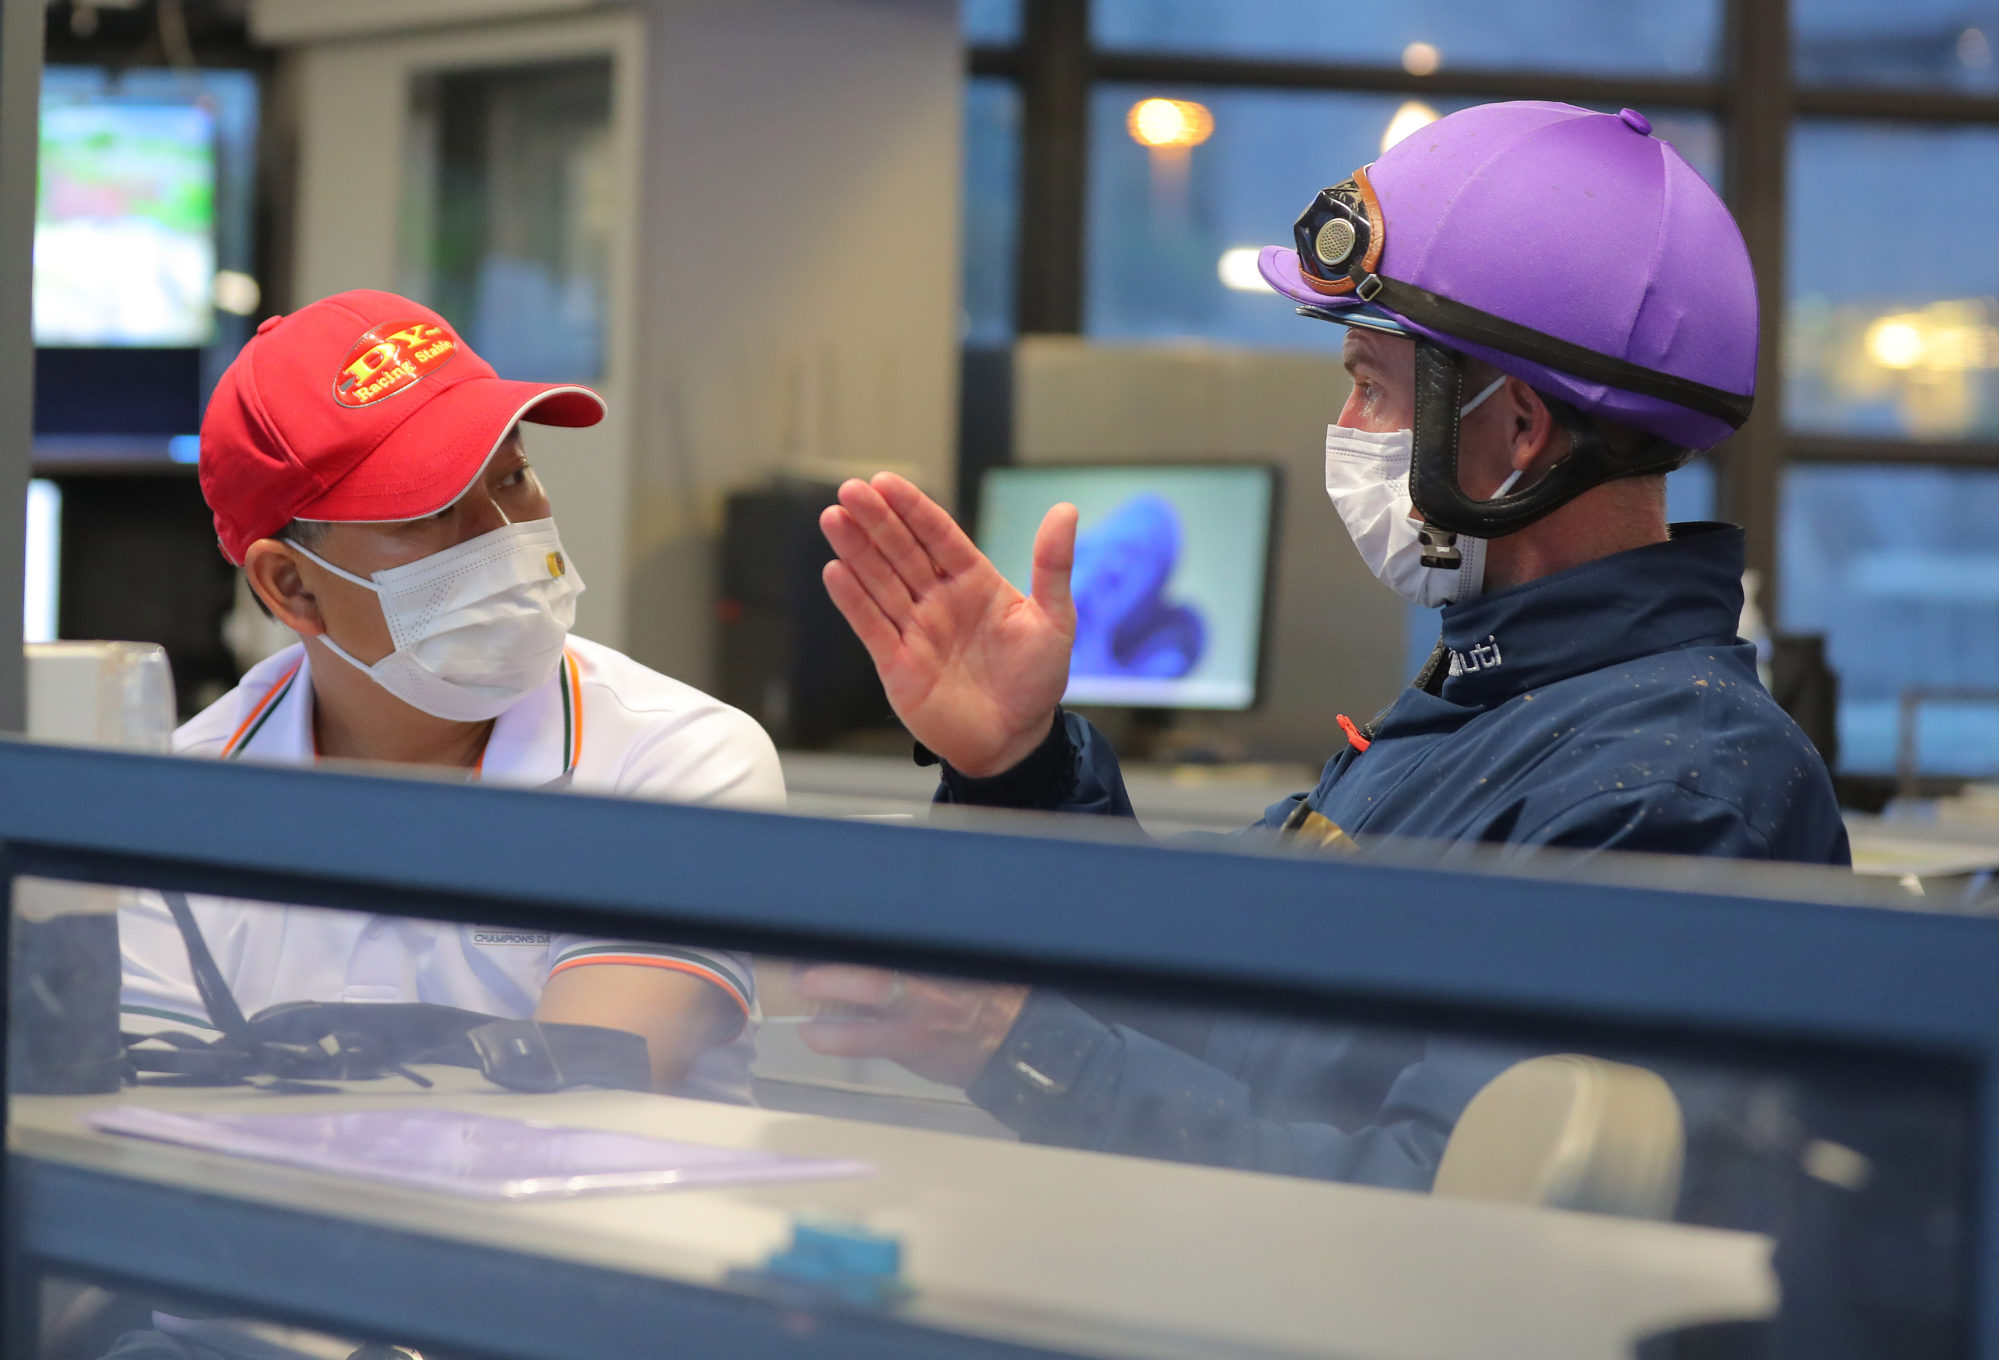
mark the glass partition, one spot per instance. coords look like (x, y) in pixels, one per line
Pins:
(1100, 1170)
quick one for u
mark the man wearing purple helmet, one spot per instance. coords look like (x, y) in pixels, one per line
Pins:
(1548, 310)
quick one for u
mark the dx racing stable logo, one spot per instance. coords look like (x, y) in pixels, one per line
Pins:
(388, 359)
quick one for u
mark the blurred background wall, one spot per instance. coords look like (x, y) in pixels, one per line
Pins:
(794, 239)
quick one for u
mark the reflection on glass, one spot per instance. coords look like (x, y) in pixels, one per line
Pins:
(279, 982)
(509, 212)
(1676, 37)
(1172, 230)
(1908, 345)
(1926, 44)
(992, 209)
(1886, 562)
(1755, 1185)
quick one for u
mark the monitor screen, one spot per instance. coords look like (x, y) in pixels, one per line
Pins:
(125, 222)
(1169, 577)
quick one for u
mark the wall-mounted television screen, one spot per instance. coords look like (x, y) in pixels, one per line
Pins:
(125, 223)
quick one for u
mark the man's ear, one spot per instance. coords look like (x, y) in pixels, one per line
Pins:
(274, 575)
(1536, 441)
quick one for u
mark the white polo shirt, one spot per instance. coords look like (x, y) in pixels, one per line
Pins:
(606, 723)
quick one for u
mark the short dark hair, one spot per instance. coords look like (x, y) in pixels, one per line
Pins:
(307, 533)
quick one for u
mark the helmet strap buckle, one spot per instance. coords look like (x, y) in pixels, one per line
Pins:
(1440, 547)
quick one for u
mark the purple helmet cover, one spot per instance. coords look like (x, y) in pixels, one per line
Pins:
(1576, 224)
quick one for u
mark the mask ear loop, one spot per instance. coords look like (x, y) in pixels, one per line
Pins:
(341, 572)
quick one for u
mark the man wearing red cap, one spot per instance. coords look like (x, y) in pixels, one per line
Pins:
(367, 472)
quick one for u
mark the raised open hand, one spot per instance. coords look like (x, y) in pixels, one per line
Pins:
(972, 667)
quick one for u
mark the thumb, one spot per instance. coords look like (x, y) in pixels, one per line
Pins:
(1054, 556)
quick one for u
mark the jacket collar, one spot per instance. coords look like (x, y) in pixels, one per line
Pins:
(1687, 590)
(536, 742)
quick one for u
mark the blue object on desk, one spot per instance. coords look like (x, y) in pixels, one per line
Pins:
(830, 1261)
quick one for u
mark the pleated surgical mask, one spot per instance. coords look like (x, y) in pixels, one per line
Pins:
(476, 627)
(1367, 477)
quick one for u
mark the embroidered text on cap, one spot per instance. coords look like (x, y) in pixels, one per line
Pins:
(389, 359)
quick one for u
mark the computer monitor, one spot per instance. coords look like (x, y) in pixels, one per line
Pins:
(143, 281)
(125, 223)
(1171, 566)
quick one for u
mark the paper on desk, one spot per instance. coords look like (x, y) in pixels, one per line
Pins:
(482, 1156)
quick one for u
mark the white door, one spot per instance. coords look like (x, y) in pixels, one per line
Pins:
(493, 172)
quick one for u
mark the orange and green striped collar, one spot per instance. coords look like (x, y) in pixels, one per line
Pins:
(247, 730)
(569, 683)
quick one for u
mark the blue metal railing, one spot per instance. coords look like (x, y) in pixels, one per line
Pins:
(1654, 951)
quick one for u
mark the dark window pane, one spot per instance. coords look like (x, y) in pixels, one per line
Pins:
(1172, 232)
(505, 229)
(1876, 559)
(1927, 43)
(1670, 37)
(990, 21)
(992, 209)
(1900, 343)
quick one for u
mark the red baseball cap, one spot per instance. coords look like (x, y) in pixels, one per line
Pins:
(365, 407)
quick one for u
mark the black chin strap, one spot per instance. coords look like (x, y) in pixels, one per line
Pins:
(1433, 470)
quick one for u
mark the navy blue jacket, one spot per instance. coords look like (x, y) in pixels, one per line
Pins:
(1610, 706)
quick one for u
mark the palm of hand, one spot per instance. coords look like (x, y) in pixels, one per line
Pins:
(977, 662)
(972, 667)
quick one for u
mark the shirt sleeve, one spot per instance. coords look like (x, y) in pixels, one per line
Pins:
(1075, 770)
(719, 756)
(1066, 1078)
(730, 972)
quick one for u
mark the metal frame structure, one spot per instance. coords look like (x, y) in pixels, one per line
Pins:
(21, 23)
(1612, 958)
(1755, 96)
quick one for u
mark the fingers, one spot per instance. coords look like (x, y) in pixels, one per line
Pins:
(857, 550)
(846, 983)
(874, 628)
(939, 535)
(856, 1038)
(1054, 557)
(891, 537)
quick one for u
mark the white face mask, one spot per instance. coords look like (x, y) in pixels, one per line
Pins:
(1367, 475)
(475, 627)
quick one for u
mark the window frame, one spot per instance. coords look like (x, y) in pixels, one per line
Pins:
(1753, 96)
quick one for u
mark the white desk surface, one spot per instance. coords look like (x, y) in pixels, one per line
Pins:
(1102, 1255)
